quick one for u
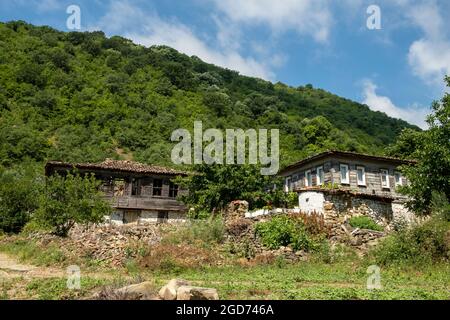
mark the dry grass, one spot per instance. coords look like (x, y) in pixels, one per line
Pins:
(168, 257)
(314, 223)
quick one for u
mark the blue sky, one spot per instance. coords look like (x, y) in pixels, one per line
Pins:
(397, 69)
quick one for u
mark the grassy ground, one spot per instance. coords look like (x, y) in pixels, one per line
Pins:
(298, 281)
(345, 278)
(303, 280)
(307, 280)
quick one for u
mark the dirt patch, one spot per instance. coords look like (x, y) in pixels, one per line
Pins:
(10, 267)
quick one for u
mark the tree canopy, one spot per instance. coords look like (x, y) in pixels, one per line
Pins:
(80, 96)
(431, 149)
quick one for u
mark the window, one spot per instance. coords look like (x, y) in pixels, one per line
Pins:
(345, 179)
(320, 176)
(135, 187)
(287, 185)
(157, 187)
(361, 175)
(308, 179)
(173, 190)
(384, 178)
(398, 179)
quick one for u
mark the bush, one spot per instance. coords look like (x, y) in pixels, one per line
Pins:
(425, 243)
(440, 205)
(206, 232)
(291, 199)
(18, 193)
(314, 223)
(283, 230)
(364, 222)
(69, 200)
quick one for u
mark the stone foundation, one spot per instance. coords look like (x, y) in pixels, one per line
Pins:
(338, 206)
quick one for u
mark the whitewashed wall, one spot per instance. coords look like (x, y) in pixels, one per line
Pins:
(311, 201)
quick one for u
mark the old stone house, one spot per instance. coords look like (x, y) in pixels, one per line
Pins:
(349, 183)
(139, 193)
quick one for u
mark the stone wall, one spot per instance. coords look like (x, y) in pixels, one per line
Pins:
(348, 206)
(400, 212)
(384, 211)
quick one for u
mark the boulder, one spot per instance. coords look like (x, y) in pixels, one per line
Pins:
(169, 291)
(144, 290)
(196, 293)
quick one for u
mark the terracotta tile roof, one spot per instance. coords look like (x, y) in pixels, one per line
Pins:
(346, 154)
(115, 165)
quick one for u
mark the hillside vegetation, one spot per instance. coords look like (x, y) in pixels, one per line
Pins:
(85, 97)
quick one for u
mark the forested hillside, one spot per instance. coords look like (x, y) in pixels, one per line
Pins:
(85, 97)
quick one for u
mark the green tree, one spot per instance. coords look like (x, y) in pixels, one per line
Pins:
(213, 187)
(432, 152)
(19, 190)
(70, 199)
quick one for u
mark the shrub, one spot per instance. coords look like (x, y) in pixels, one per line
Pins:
(314, 223)
(423, 243)
(283, 230)
(364, 222)
(69, 200)
(207, 232)
(291, 199)
(18, 192)
(440, 205)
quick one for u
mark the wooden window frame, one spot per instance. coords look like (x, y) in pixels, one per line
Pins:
(157, 188)
(399, 174)
(362, 183)
(173, 188)
(382, 173)
(287, 184)
(320, 179)
(347, 176)
(307, 184)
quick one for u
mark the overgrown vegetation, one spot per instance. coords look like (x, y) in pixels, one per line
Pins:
(70, 199)
(422, 243)
(213, 187)
(431, 149)
(365, 222)
(29, 202)
(210, 231)
(284, 230)
(81, 97)
(19, 191)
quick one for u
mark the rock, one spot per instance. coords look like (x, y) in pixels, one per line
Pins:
(169, 291)
(328, 206)
(144, 290)
(356, 241)
(196, 293)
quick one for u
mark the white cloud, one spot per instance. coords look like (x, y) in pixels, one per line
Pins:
(306, 17)
(150, 29)
(412, 114)
(429, 57)
(430, 60)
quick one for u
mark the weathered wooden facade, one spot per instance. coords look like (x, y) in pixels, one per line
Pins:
(361, 173)
(138, 192)
(351, 177)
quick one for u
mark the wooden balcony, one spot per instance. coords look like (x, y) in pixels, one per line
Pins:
(147, 203)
